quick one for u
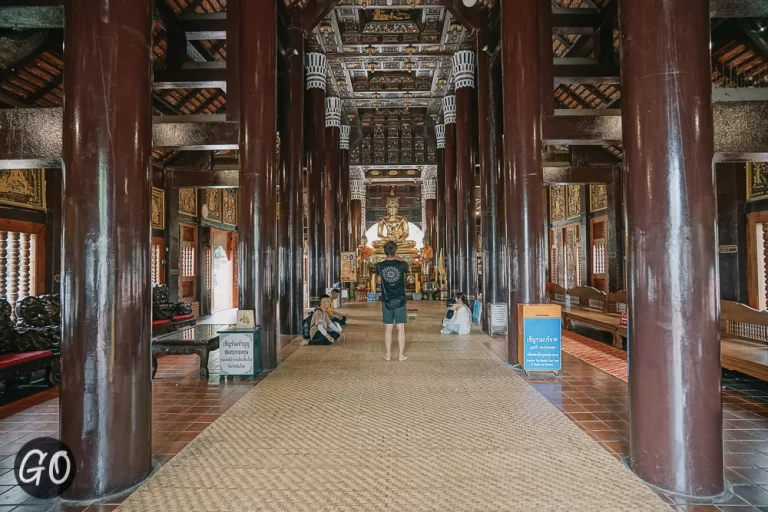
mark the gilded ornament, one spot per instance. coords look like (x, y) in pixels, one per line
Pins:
(598, 197)
(158, 208)
(573, 206)
(230, 206)
(556, 203)
(213, 202)
(23, 187)
(757, 181)
(188, 201)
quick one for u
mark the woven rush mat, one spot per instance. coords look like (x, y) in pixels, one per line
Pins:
(609, 359)
(338, 428)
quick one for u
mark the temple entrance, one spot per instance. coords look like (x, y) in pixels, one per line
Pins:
(223, 270)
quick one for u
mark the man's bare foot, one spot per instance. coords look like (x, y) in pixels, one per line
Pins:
(387, 357)
(402, 357)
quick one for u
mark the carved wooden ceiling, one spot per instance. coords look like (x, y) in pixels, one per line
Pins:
(385, 56)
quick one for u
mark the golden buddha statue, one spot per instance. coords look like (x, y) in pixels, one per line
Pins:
(393, 227)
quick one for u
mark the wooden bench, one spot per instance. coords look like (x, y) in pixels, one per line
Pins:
(22, 364)
(588, 306)
(200, 340)
(744, 339)
(556, 293)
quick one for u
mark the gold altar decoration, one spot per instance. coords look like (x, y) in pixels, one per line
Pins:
(364, 254)
(573, 201)
(229, 214)
(556, 203)
(757, 181)
(393, 227)
(213, 203)
(598, 198)
(23, 187)
(188, 201)
(158, 208)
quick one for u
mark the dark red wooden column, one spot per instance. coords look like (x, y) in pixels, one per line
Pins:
(330, 187)
(257, 243)
(106, 399)
(491, 186)
(676, 437)
(522, 158)
(439, 243)
(315, 140)
(429, 196)
(466, 231)
(291, 221)
(357, 223)
(451, 242)
(344, 201)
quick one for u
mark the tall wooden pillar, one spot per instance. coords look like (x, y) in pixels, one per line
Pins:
(257, 223)
(316, 64)
(330, 187)
(439, 242)
(357, 222)
(466, 231)
(429, 198)
(676, 437)
(451, 240)
(522, 158)
(291, 221)
(491, 186)
(106, 301)
(344, 201)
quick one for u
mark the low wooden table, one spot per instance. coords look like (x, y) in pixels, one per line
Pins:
(200, 340)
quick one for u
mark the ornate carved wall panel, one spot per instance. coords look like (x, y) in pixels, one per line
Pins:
(23, 187)
(572, 257)
(229, 214)
(556, 203)
(757, 181)
(212, 208)
(573, 205)
(188, 201)
(158, 208)
(598, 197)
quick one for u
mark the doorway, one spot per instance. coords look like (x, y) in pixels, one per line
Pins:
(222, 270)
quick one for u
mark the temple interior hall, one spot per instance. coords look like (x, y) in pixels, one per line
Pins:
(188, 188)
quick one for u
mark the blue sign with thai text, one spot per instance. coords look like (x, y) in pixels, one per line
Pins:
(542, 344)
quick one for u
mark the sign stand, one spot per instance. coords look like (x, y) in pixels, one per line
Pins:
(498, 319)
(539, 347)
(240, 353)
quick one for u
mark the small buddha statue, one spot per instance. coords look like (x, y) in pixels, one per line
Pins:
(426, 257)
(393, 227)
(364, 254)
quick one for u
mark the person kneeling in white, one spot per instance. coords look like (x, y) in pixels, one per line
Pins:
(461, 321)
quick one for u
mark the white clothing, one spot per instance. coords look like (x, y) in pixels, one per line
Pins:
(460, 323)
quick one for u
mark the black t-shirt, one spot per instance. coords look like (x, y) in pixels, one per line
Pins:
(392, 273)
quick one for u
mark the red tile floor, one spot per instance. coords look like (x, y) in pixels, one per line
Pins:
(597, 403)
(183, 405)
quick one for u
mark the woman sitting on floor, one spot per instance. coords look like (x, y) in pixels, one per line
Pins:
(322, 330)
(461, 320)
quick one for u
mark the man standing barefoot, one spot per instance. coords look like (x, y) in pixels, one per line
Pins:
(392, 272)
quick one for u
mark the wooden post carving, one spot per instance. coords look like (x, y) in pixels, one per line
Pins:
(24, 267)
(13, 270)
(3, 263)
(765, 258)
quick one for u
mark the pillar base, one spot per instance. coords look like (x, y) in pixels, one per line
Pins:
(721, 498)
(112, 497)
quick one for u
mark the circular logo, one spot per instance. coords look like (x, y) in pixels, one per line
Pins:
(44, 468)
(390, 274)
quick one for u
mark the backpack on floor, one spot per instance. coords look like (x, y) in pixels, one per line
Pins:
(306, 326)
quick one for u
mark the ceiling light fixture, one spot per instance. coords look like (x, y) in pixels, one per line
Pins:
(469, 3)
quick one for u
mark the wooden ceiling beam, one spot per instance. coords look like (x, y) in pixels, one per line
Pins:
(312, 13)
(209, 75)
(738, 8)
(586, 73)
(181, 178)
(471, 18)
(577, 175)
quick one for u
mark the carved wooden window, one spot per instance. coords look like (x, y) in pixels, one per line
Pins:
(598, 234)
(158, 255)
(188, 263)
(757, 259)
(565, 263)
(20, 260)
